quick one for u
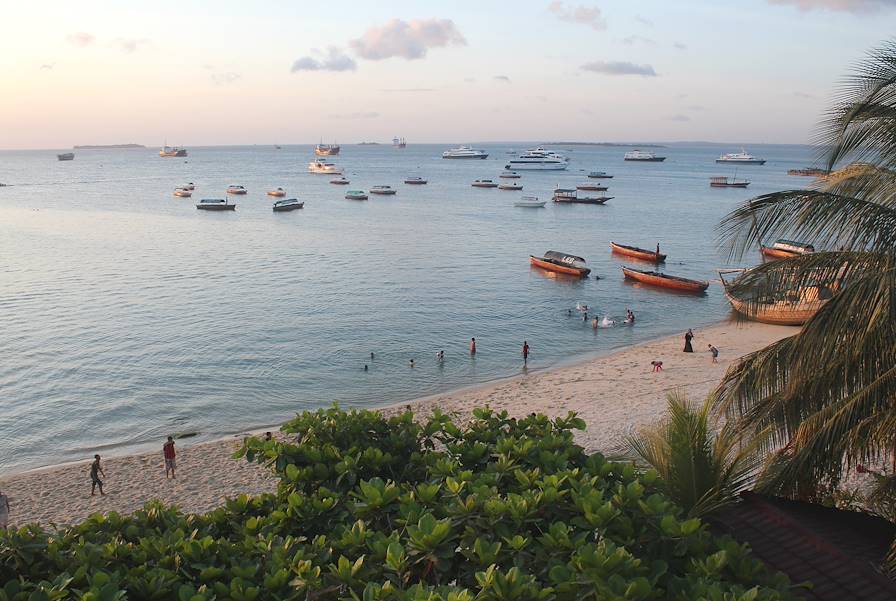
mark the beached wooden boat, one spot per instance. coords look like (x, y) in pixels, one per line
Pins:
(559, 262)
(639, 253)
(569, 196)
(784, 249)
(664, 280)
(788, 308)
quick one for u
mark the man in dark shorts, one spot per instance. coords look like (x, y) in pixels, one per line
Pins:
(95, 470)
(168, 452)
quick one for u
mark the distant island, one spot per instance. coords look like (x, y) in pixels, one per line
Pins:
(639, 145)
(368, 143)
(101, 146)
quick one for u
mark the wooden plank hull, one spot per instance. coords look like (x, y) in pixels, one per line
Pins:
(665, 281)
(777, 253)
(638, 253)
(781, 314)
(549, 266)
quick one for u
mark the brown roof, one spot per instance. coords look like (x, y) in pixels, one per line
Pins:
(837, 551)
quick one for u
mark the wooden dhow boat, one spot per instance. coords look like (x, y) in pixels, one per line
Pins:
(570, 196)
(638, 253)
(727, 182)
(787, 308)
(664, 280)
(784, 249)
(560, 262)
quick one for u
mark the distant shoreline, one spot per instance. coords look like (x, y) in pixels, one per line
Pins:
(102, 146)
(612, 144)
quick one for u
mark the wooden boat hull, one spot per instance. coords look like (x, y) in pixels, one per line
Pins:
(277, 194)
(183, 194)
(413, 182)
(506, 187)
(340, 182)
(637, 253)
(591, 188)
(777, 253)
(582, 201)
(383, 192)
(356, 197)
(732, 185)
(652, 160)
(781, 314)
(484, 185)
(600, 176)
(549, 266)
(665, 281)
(237, 192)
(216, 207)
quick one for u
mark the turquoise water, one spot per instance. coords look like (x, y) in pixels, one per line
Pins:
(126, 314)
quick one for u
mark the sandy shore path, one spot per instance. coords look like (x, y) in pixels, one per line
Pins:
(613, 394)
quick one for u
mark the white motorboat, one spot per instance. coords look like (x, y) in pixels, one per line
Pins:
(741, 158)
(340, 181)
(599, 175)
(530, 202)
(382, 190)
(464, 152)
(322, 166)
(188, 186)
(640, 155)
(355, 195)
(484, 183)
(216, 204)
(418, 181)
(510, 186)
(183, 192)
(289, 204)
(277, 192)
(538, 159)
(236, 190)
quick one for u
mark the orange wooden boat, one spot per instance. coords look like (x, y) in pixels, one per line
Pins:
(639, 253)
(561, 263)
(654, 278)
(784, 249)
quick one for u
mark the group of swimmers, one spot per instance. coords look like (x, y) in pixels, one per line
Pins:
(606, 322)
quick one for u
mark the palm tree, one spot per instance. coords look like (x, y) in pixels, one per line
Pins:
(827, 395)
(703, 469)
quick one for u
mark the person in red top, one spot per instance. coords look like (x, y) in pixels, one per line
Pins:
(525, 352)
(168, 452)
(472, 346)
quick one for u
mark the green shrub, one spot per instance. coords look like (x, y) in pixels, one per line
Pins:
(372, 509)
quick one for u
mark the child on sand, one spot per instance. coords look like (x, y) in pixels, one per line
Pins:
(657, 365)
(715, 353)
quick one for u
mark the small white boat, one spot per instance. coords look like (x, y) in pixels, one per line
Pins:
(277, 192)
(66, 156)
(510, 186)
(355, 195)
(599, 175)
(188, 186)
(484, 183)
(339, 181)
(216, 204)
(418, 181)
(183, 192)
(382, 190)
(509, 175)
(289, 204)
(530, 202)
(322, 166)
(236, 190)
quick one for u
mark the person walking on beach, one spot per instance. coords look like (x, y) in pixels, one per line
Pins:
(95, 470)
(170, 463)
(4, 510)
(525, 352)
(688, 336)
(472, 346)
(715, 353)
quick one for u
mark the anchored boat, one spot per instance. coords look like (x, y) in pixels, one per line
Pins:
(561, 263)
(784, 249)
(591, 187)
(415, 181)
(727, 182)
(638, 253)
(570, 196)
(183, 192)
(277, 192)
(289, 204)
(791, 307)
(216, 204)
(484, 183)
(382, 190)
(355, 195)
(530, 202)
(663, 280)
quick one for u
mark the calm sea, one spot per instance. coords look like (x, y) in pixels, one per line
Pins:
(127, 315)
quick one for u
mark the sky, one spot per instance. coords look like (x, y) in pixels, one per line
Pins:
(269, 71)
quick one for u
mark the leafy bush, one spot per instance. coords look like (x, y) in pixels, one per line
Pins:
(372, 509)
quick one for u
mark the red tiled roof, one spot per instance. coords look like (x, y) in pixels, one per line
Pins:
(837, 551)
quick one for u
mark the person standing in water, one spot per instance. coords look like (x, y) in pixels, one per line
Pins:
(95, 470)
(472, 346)
(525, 352)
(688, 336)
(170, 463)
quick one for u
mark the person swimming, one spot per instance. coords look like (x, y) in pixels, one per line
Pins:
(594, 323)
(607, 322)
(411, 364)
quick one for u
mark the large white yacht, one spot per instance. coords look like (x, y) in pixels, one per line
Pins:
(640, 155)
(741, 158)
(322, 166)
(464, 152)
(538, 159)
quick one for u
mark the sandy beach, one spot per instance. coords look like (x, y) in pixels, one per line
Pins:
(614, 394)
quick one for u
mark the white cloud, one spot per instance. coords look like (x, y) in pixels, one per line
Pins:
(129, 45)
(682, 118)
(582, 14)
(369, 115)
(847, 6)
(619, 68)
(333, 60)
(47, 66)
(407, 39)
(680, 45)
(502, 78)
(82, 39)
